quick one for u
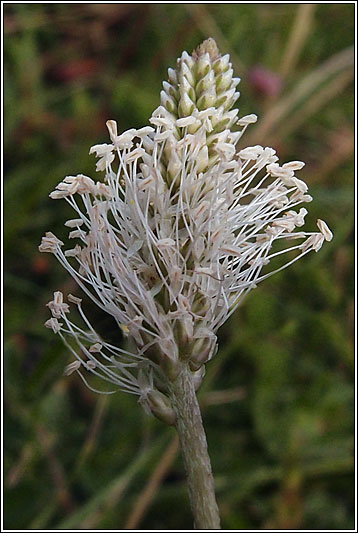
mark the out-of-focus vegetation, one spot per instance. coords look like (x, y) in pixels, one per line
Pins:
(278, 398)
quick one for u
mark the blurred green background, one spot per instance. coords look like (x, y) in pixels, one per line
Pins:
(278, 398)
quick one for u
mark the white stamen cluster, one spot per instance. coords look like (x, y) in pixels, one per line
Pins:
(179, 232)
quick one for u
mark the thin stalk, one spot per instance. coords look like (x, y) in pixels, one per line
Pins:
(194, 451)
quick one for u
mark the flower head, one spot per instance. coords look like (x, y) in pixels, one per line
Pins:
(178, 234)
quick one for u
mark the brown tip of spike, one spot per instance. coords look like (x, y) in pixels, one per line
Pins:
(208, 46)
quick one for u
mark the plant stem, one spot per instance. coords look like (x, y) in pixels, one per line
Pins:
(194, 451)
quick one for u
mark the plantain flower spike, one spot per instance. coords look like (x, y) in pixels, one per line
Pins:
(183, 226)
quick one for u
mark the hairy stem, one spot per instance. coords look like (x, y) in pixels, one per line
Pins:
(195, 452)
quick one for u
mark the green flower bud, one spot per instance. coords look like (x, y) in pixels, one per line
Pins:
(187, 73)
(160, 407)
(224, 80)
(200, 304)
(172, 75)
(221, 64)
(171, 90)
(184, 332)
(206, 83)
(208, 99)
(203, 66)
(170, 367)
(168, 102)
(202, 350)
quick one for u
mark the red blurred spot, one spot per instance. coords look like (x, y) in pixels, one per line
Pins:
(20, 341)
(265, 82)
(40, 265)
(75, 70)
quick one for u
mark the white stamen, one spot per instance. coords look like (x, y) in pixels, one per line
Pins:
(53, 324)
(72, 367)
(324, 229)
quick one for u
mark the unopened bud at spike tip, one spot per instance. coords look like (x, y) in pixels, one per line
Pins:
(208, 46)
